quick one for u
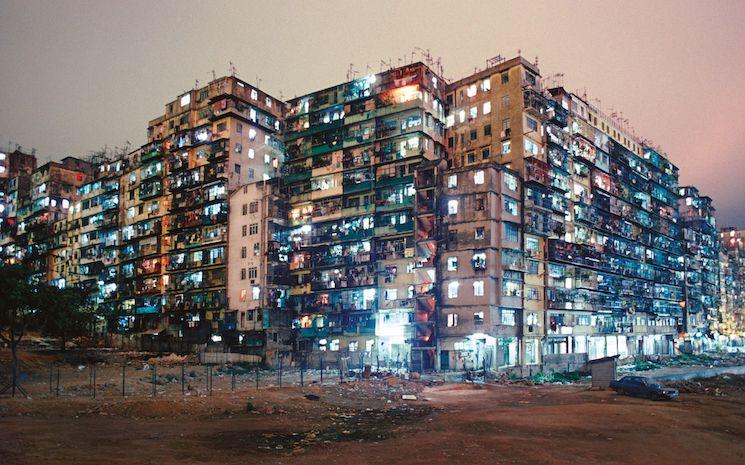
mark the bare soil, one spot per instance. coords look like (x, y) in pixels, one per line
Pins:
(366, 422)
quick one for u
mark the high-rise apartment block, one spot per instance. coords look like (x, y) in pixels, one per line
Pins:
(491, 222)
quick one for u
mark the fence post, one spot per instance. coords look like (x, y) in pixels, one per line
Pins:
(232, 379)
(338, 364)
(320, 361)
(302, 370)
(209, 378)
(155, 378)
(51, 367)
(182, 377)
(94, 380)
(257, 376)
(124, 378)
(280, 357)
(58, 376)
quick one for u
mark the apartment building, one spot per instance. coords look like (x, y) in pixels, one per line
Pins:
(481, 267)
(15, 184)
(258, 319)
(359, 281)
(729, 321)
(53, 189)
(488, 222)
(701, 289)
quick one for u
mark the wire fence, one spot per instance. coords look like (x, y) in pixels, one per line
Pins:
(137, 378)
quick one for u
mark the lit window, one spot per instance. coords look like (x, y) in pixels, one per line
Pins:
(478, 318)
(255, 292)
(185, 99)
(353, 345)
(508, 317)
(254, 94)
(251, 153)
(478, 177)
(452, 319)
(452, 263)
(478, 288)
(473, 112)
(506, 147)
(452, 207)
(462, 116)
(486, 85)
(334, 345)
(487, 108)
(453, 289)
(252, 134)
(471, 91)
(453, 181)
(391, 294)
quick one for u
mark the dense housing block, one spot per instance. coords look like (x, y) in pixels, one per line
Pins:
(489, 222)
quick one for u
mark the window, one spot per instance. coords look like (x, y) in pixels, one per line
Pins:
(251, 153)
(485, 153)
(486, 108)
(334, 345)
(505, 77)
(245, 209)
(255, 292)
(531, 319)
(239, 128)
(506, 147)
(253, 207)
(478, 233)
(487, 130)
(471, 157)
(257, 249)
(478, 288)
(473, 112)
(353, 345)
(532, 124)
(244, 252)
(243, 274)
(531, 293)
(237, 168)
(478, 177)
(486, 85)
(510, 181)
(252, 134)
(510, 206)
(244, 230)
(453, 181)
(452, 207)
(506, 101)
(452, 319)
(474, 134)
(531, 147)
(471, 91)
(479, 202)
(478, 318)
(253, 229)
(478, 260)
(391, 294)
(508, 317)
(452, 263)
(453, 289)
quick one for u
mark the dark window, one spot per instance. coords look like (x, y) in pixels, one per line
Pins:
(487, 130)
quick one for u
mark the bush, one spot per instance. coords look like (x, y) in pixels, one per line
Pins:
(250, 406)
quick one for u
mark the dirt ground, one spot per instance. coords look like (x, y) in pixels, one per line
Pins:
(366, 422)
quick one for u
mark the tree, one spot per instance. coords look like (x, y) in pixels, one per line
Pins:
(64, 313)
(17, 309)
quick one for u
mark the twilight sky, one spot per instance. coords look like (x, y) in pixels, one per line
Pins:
(78, 75)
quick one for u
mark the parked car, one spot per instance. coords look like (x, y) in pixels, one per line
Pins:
(642, 386)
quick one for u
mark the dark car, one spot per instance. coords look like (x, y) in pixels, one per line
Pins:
(642, 386)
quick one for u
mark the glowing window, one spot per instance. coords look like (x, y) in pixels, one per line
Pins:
(478, 288)
(452, 207)
(452, 263)
(453, 289)
(478, 177)
(471, 91)
(486, 108)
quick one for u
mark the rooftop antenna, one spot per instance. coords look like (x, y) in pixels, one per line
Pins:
(388, 64)
(351, 73)
(258, 81)
(232, 70)
(214, 77)
(494, 61)
(196, 84)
